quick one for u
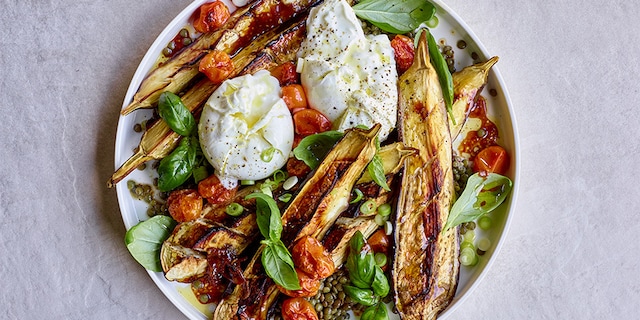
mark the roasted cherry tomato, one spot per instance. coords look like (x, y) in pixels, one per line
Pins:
(217, 66)
(211, 16)
(310, 121)
(379, 241)
(212, 189)
(310, 256)
(285, 73)
(298, 309)
(294, 96)
(297, 167)
(309, 286)
(184, 205)
(403, 52)
(492, 159)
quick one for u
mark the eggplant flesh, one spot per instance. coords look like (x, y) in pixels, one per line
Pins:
(425, 268)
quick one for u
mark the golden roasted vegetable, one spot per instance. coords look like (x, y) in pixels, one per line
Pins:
(244, 25)
(271, 49)
(425, 269)
(314, 209)
(467, 85)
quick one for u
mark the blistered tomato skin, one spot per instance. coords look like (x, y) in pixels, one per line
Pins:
(217, 66)
(293, 95)
(212, 189)
(298, 309)
(286, 74)
(379, 242)
(310, 256)
(403, 51)
(310, 121)
(184, 205)
(211, 16)
(308, 284)
(492, 159)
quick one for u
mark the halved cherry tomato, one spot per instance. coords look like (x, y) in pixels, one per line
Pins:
(492, 159)
(310, 121)
(211, 16)
(403, 52)
(184, 205)
(294, 96)
(310, 256)
(379, 242)
(217, 66)
(285, 73)
(212, 189)
(309, 286)
(298, 309)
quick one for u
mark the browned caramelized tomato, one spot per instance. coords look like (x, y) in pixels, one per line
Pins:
(212, 189)
(298, 309)
(310, 121)
(379, 242)
(184, 205)
(217, 66)
(492, 159)
(211, 16)
(485, 136)
(285, 73)
(309, 286)
(310, 256)
(297, 168)
(403, 52)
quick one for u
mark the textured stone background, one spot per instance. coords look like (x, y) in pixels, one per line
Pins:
(571, 69)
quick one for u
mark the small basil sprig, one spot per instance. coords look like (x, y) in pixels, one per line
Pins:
(175, 114)
(176, 168)
(376, 169)
(442, 69)
(370, 284)
(313, 148)
(395, 16)
(276, 258)
(481, 196)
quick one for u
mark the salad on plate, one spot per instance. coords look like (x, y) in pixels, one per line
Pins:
(315, 159)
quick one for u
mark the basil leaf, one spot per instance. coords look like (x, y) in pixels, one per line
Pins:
(480, 196)
(375, 312)
(364, 297)
(278, 269)
(313, 148)
(267, 215)
(176, 168)
(144, 240)
(380, 283)
(376, 169)
(395, 16)
(360, 264)
(444, 75)
(175, 114)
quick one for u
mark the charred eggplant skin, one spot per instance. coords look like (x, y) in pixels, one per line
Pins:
(425, 269)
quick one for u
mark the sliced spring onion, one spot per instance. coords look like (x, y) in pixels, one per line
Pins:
(267, 154)
(368, 207)
(466, 244)
(484, 244)
(468, 257)
(247, 182)
(388, 228)
(290, 182)
(279, 176)
(469, 236)
(384, 209)
(285, 197)
(234, 209)
(381, 259)
(484, 223)
(380, 220)
(358, 197)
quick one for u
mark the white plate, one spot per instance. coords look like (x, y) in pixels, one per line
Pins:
(450, 29)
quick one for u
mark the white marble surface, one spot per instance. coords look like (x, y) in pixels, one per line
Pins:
(571, 68)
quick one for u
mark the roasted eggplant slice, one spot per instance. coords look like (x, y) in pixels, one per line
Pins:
(425, 269)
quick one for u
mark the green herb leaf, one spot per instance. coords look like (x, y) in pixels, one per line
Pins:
(312, 149)
(280, 270)
(395, 16)
(267, 215)
(364, 297)
(360, 264)
(144, 240)
(444, 75)
(380, 283)
(480, 196)
(176, 168)
(175, 114)
(376, 171)
(375, 312)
